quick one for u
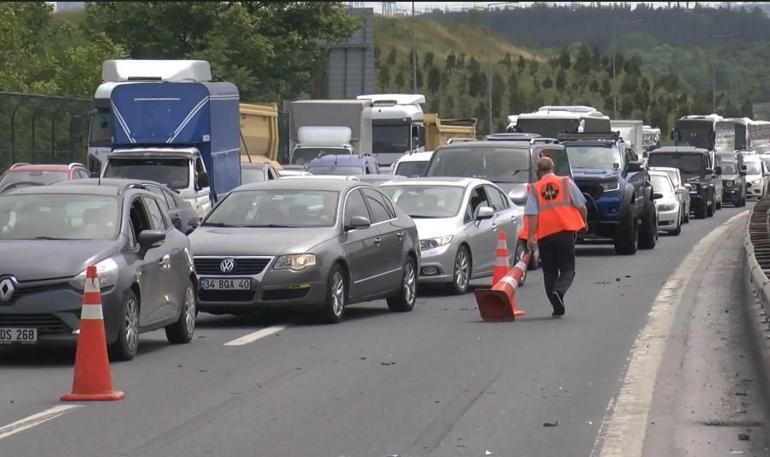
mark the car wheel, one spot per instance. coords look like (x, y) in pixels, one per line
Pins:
(127, 343)
(461, 272)
(700, 210)
(718, 205)
(404, 300)
(648, 233)
(710, 209)
(181, 331)
(627, 235)
(336, 296)
(677, 230)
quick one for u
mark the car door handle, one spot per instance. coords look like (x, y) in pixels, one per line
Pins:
(377, 241)
(165, 262)
(400, 235)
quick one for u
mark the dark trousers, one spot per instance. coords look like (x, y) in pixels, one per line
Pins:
(557, 256)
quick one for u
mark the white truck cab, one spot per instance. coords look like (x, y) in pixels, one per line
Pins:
(551, 121)
(398, 125)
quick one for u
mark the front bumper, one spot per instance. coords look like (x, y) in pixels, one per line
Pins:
(668, 220)
(753, 189)
(54, 310)
(437, 264)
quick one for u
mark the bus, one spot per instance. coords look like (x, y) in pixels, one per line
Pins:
(550, 121)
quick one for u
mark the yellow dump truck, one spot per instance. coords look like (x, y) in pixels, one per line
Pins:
(259, 132)
(439, 131)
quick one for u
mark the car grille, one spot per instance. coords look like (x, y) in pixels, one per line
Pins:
(243, 266)
(226, 295)
(594, 190)
(285, 294)
(44, 323)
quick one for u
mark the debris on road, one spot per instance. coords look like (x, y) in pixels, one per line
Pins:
(744, 437)
(551, 424)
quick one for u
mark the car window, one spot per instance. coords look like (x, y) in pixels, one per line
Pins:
(284, 208)
(377, 207)
(169, 199)
(82, 174)
(271, 173)
(139, 219)
(355, 206)
(477, 200)
(389, 205)
(495, 199)
(156, 216)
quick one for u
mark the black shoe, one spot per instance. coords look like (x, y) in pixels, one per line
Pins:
(558, 304)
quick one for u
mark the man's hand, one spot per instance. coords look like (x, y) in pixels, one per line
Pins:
(531, 244)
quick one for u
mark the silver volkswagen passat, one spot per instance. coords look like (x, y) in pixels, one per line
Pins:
(457, 221)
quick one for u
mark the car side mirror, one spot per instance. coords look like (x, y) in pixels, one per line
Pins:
(149, 239)
(687, 186)
(203, 180)
(709, 171)
(634, 166)
(485, 212)
(358, 223)
(743, 169)
(718, 170)
(657, 195)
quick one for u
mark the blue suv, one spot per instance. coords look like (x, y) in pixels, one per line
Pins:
(617, 188)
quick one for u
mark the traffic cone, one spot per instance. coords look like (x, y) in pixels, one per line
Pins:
(499, 303)
(92, 379)
(502, 261)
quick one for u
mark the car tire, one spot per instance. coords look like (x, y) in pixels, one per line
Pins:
(461, 271)
(677, 230)
(710, 209)
(648, 232)
(718, 205)
(403, 300)
(182, 331)
(126, 345)
(627, 235)
(336, 296)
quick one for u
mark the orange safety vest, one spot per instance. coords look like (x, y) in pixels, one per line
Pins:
(555, 209)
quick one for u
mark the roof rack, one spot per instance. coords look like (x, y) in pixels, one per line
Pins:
(598, 136)
(543, 140)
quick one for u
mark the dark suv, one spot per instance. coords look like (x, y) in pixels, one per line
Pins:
(733, 181)
(693, 164)
(617, 189)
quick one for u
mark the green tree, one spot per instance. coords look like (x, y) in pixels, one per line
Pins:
(561, 80)
(629, 84)
(427, 61)
(392, 56)
(521, 64)
(434, 80)
(547, 82)
(476, 83)
(451, 61)
(594, 85)
(564, 60)
(583, 62)
(400, 81)
(533, 65)
(383, 77)
(506, 61)
(626, 106)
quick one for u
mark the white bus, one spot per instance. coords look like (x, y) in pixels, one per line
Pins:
(550, 121)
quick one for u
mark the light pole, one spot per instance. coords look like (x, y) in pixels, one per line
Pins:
(614, 51)
(714, 70)
(489, 63)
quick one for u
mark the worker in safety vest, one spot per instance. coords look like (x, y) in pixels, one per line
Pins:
(555, 212)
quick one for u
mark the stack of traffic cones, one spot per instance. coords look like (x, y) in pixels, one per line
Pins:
(499, 303)
(92, 379)
(502, 260)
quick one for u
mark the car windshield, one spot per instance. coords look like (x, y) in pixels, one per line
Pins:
(335, 170)
(729, 168)
(426, 201)
(696, 134)
(250, 175)
(60, 217)
(276, 208)
(100, 131)
(390, 138)
(171, 172)
(549, 128)
(39, 177)
(411, 169)
(686, 163)
(661, 183)
(302, 156)
(595, 157)
(752, 168)
(497, 164)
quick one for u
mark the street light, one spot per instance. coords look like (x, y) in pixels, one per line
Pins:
(714, 69)
(614, 51)
(489, 63)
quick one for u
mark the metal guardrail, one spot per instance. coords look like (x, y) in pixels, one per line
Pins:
(43, 129)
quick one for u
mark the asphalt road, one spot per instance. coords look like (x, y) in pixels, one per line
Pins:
(436, 381)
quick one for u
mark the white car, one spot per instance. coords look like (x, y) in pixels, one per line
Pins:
(412, 165)
(670, 211)
(756, 176)
(682, 190)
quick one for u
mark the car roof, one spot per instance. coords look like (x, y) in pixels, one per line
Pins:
(439, 181)
(255, 165)
(155, 152)
(669, 149)
(303, 183)
(110, 182)
(339, 160)
(62, 188)
(416, 157)
(485, 144)
(44, 167)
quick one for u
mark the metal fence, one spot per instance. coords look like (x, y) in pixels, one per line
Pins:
(43, 129)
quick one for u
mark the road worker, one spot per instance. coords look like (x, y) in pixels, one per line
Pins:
(555, 212)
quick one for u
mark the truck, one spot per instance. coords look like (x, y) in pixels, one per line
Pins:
(259, 132)
(398, 125)
(439, 131)
(185, 135)
(551, 121)
(700, 131)
(319, 127)
(631, 132)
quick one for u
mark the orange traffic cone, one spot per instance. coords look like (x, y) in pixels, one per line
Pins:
(499, 303)
(501, 258)
(92, 379)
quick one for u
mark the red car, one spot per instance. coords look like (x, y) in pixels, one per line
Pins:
(25, 175)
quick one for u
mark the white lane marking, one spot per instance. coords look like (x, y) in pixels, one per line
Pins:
(259, 334)
(35, 420)
(624, 426)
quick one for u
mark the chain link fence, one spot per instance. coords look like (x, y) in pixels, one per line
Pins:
(43, 129)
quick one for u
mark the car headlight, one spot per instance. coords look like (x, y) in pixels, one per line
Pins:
(107, 270)
(610, 186)
(295, 262)
(431, 243)
(729, 182)
(666, 207)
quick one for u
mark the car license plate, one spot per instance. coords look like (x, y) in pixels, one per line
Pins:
(226, 284)
(18, 335)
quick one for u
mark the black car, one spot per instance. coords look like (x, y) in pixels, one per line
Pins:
(693, 164)
(50, 234)
(733, 182)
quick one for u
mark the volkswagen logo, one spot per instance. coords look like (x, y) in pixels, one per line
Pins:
(7, 287)
(227, 265)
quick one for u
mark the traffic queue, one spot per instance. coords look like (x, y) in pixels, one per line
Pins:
(177, 229)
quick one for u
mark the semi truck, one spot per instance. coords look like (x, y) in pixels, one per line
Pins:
(320, 127)
(184, 133)
(398, 125)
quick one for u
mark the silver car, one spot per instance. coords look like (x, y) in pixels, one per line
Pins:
(682, 190)
(457, 221)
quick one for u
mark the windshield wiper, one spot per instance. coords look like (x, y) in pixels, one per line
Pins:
(219, 224)
(52, 238)
(515, 172)
(274, 226)
(418, 216)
